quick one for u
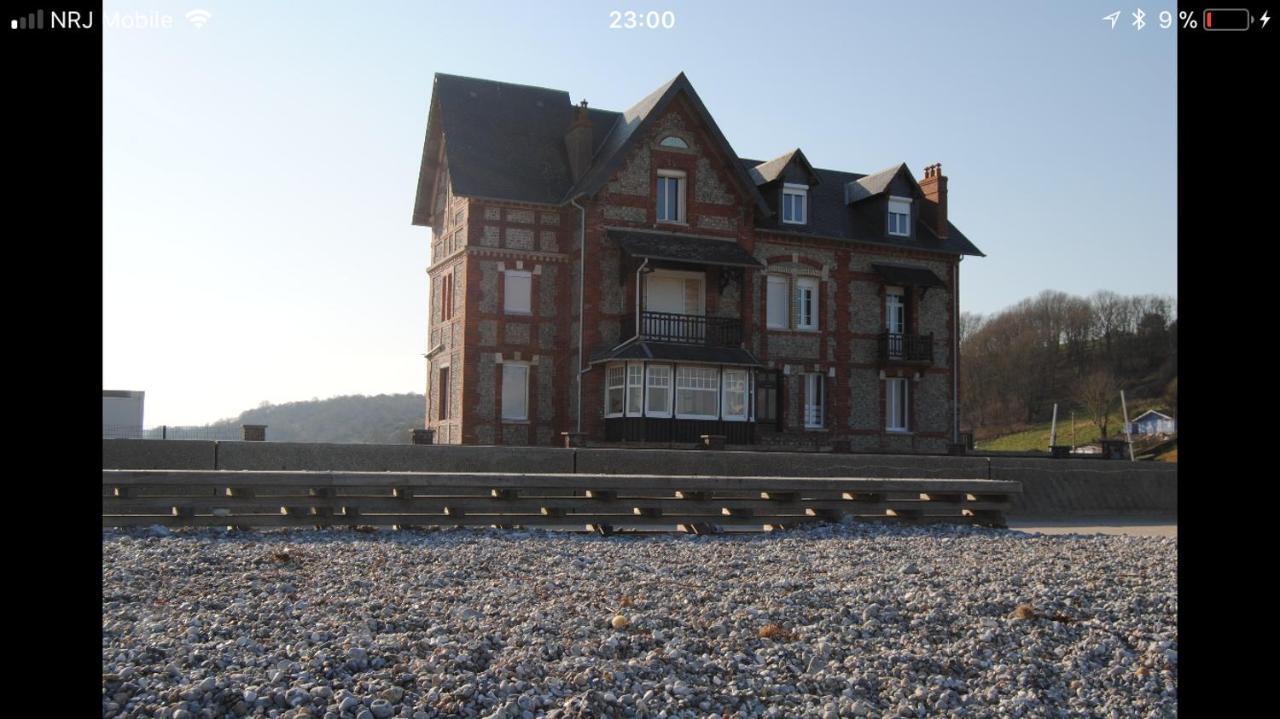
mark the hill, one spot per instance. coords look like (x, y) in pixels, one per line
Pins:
(361, 419)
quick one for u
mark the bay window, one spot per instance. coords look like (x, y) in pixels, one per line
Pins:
(735, 395)
(659, 391)
(615, 386)
(697, 392)
(635, 389)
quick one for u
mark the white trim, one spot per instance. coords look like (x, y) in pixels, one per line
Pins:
(513, 366)
(628, 386)
(785, 280)
(608, 369)
(509, 275)
(724, 396)
(670, 387)
(682, 188)
(802, 191)
(813, 284)
(889, 397)
(676, 394)
(890, 213)
(819, 408)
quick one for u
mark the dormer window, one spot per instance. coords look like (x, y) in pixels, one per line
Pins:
(793, 203)
(900, 216)
(670, 196)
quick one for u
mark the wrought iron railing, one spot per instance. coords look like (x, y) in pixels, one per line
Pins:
(896, 347)
(685, 329)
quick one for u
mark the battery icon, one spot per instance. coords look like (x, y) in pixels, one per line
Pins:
(1219, 19)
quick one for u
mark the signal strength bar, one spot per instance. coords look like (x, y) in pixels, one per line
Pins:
(33, 21)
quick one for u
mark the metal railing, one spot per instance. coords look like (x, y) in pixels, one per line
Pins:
(896, 347)
(685, 329)
(125, 431)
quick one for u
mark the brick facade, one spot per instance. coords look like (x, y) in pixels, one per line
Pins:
(479, 240)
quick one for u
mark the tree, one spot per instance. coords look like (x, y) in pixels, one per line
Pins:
(1097, 393)
(1171, 396)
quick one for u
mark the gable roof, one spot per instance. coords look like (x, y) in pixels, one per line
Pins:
(629, 127)
(877, 182)
(1161, 415)
(767, 172)
(506, 141)
(501, 140)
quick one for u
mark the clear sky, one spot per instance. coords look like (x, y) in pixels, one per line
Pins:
(259, 172)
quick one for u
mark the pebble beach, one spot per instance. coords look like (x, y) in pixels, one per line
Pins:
(847, 620)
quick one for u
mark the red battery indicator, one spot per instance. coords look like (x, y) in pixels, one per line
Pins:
(1219, 19)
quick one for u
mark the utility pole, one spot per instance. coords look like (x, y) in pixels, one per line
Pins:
(1128, 438)
(1053, 428)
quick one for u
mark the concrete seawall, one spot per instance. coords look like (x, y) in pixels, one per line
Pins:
(1052, 488)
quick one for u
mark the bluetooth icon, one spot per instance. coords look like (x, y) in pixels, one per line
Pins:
(1137, 19)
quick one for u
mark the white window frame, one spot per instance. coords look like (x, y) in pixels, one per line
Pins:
(507, 294)
(650, 373)
(616, 371)
(745, 375)
(635, 383)
(889, 406)
(682, 187)
(795, 190)
(505, 388)
(785, 281)
(815, 415)
(812, 284)
(895, 303)
(895, 203)
(715, 387)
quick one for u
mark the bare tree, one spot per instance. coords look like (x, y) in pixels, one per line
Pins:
(1097, 393)
(970, 322)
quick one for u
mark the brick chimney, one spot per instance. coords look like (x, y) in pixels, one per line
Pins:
(934, 185)
(577, 141)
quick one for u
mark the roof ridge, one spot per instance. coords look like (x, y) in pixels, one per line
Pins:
(499, 82)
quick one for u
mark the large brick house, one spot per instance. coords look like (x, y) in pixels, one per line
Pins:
(767, 301)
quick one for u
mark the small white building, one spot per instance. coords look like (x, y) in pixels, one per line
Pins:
(1152, 422)
(122, 413)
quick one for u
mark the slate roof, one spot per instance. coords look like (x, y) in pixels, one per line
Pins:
(910, 276)
(683, 248)
(767, 172)
(829, 217)
(501, 140)
(649, 350)
(874, 184)
(506, 141)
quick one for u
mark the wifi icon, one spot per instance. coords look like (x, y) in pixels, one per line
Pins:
(198, 17)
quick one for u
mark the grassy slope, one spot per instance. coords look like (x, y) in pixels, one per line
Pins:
(1037, 438)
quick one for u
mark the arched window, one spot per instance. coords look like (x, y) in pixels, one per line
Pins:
(673, 141)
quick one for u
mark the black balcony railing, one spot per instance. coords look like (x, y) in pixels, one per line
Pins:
(896, 347)
(685, 329)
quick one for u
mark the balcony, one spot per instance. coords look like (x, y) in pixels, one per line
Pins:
(906, 349)
(685, 329)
